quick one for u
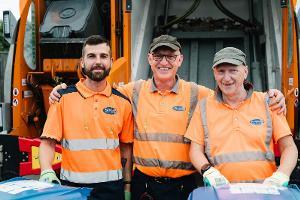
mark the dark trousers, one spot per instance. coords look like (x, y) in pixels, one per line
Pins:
(112, 190)
(145, 187)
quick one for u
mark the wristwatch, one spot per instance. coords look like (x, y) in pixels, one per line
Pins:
(127, 182)
(205, 167)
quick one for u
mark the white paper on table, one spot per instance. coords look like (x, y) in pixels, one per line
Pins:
(16, 187)
(253, 188)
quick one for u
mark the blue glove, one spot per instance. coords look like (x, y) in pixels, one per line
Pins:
(277, 179)
(212, 177)
(127, 195)
(49, 176)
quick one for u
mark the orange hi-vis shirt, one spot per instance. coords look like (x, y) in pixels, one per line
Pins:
(161, 119)
(240, 141)
(90, 126)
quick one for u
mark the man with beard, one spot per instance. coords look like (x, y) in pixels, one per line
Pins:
(94, 124)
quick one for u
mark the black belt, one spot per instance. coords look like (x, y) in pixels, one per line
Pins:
(164, 180)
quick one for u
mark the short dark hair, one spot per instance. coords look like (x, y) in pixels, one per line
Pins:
(94, 40)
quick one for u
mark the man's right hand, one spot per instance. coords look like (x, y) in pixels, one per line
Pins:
(213, 177)
(49, 176)
(54, 95)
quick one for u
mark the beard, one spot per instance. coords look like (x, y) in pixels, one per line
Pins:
(96, 76)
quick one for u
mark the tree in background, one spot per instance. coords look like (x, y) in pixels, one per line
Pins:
(4, 46)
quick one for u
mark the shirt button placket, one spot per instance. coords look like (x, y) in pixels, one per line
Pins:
(96, 105)
(161, 103)
(235, 119)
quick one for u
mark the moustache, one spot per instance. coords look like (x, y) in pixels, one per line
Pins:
(98, 67)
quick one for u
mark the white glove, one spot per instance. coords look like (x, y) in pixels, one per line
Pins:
(49, 176)
(277, 179)
(212, 177)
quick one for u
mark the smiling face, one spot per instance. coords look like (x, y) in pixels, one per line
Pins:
(230, 78)
(96, 61)
(164, 63)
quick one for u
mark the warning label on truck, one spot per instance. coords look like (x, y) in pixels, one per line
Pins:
(15, 102)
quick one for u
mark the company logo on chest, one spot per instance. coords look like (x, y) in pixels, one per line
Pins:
(110, 110)
(257, 122)
(178, 108)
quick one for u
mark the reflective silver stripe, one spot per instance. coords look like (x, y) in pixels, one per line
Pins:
(151, 162)
(193, 100)
(239, 157)
(91, 177)
(207, 147)
(269, 155)
(135, 97)
(162, 137)
(249, 181)
(90, 144)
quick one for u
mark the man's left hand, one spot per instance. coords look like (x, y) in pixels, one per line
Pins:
(277, 179)
(277, 101)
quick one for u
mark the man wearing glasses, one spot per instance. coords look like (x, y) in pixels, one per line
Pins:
(162, 108)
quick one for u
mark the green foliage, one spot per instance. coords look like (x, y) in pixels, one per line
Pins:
(3, 43)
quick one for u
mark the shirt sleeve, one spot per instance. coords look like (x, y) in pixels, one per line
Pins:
(53, 126)
(195, 131)
(280, 126)
(204, 92)
(127, 90)
(126, 136)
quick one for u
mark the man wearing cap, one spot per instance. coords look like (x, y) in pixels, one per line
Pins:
(233, 132)
(162, 108)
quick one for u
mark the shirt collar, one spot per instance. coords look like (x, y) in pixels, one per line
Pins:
(175, 88)
(86, 92)
(247, 85)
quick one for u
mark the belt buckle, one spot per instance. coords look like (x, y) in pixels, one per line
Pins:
(162, 180)
(158, 180)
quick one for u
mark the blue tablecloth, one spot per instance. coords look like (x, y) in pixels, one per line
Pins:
(22, 188)
(245, 191)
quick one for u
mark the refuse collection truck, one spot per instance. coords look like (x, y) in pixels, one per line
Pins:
(46, 41)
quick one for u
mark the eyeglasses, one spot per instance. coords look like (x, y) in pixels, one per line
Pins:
(170, 58)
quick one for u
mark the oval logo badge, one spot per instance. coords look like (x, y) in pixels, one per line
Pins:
(256, 122)
(109, 110)
(179, 108)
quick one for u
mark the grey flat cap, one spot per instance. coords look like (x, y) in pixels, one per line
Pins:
(229, 55)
